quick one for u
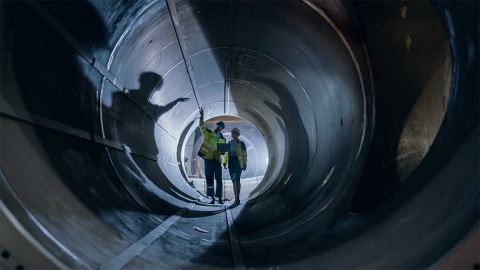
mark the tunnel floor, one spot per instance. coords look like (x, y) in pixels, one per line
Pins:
(210, 248)
(192, 240)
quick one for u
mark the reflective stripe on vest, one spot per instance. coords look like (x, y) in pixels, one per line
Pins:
(208, 149)
(242, 156)
(209, 146)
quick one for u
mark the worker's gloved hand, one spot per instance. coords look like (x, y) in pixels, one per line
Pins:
(244, 168)
(201, 112)
(224, 166)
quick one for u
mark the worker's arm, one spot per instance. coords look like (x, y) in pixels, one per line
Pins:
(244, 156)
(202, 126)
(225, 160)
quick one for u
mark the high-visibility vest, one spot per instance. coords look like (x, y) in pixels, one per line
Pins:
(209, 146)
(241, 150)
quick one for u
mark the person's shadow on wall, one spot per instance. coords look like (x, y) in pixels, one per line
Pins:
(148, 81)
(150, 84)
(143, 173)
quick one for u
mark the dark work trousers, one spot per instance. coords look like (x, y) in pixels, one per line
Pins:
(213, 168)
(234, 168)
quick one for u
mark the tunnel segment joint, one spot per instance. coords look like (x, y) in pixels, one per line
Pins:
(37, 120)
(235, 245)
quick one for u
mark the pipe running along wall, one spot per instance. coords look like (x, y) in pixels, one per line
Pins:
(123, 82)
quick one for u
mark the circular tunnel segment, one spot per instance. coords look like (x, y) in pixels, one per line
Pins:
(283, 65)
(137, 73)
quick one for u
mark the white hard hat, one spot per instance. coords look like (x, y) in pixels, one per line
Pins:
(236, 130)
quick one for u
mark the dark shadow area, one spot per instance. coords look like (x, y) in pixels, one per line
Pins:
(48, 72)
(297, 146)
(408, 57)
(43, 75)
(54, 81)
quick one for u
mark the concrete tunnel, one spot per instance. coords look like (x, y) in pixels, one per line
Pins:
(368, 110)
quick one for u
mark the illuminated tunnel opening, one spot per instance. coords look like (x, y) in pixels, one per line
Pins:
(367, 111)
(258, 157)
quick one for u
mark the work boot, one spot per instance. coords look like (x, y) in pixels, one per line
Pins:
(213, 201)
(220, 201)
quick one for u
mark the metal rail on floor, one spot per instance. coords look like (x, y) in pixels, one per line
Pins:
(236, 252)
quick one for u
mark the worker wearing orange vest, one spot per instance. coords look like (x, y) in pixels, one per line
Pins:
(236, 159)
(212, 158)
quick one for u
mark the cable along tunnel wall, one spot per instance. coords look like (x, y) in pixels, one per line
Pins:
(297, 74)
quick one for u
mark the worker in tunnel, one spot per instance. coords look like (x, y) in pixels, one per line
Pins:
(212, 158)
(236, 159)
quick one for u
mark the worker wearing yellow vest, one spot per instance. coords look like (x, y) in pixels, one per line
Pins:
(236, 159)
(212, 158)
